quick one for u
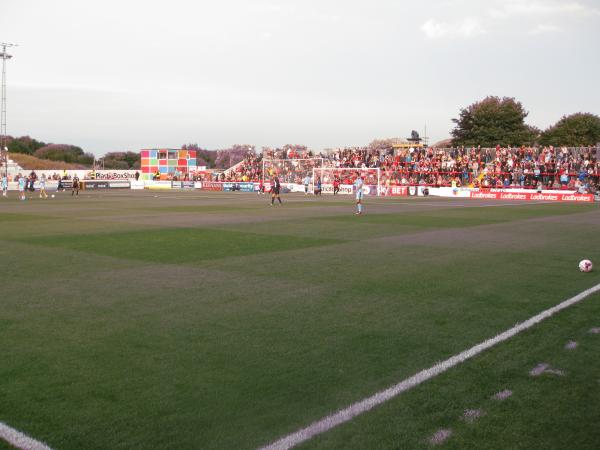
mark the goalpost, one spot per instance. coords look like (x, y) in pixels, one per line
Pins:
(290, 170)
(346, 176)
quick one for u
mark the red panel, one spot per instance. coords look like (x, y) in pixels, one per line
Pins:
(182, 162)
(182, 168)
(192, 154)
(145, 154)
(162, 162)
(146, 169)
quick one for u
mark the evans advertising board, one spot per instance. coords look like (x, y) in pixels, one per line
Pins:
(211, 186)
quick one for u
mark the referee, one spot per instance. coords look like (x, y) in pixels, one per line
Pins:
(275, 189)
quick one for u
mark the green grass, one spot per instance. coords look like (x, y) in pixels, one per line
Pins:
(179, 245)
(131, 321)
(548, 411)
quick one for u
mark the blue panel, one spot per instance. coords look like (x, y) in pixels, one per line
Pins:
(163, 169)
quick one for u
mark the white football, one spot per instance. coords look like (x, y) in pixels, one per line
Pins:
(52, 195)
(586, 265)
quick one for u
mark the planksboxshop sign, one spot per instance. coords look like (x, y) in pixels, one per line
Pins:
(114, 174)
(534, 196)
(348, 189)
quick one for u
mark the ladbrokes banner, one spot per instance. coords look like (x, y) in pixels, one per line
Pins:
(554, 197)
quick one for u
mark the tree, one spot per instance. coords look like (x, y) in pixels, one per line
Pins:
(64, 152)
(23, 144)
(493, 121)
(203, 157)
(122, 160)
(384, 144)
(580, 129)
(231, 156)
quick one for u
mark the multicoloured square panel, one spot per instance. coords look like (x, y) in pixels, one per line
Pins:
(166, 161)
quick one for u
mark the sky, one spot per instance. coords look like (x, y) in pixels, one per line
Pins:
(124, 75)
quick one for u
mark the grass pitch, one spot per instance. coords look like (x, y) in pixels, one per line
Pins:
(212, 320)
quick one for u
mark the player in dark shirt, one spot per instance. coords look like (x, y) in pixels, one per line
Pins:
(75, 190)
(336, 185)
(275, 189)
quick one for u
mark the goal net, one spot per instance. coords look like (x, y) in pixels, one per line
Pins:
(290, 170)
(346, 177)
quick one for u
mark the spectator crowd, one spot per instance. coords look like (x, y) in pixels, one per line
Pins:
(500, 167)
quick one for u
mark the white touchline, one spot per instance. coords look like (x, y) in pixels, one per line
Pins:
(19, 440)
(348, 413)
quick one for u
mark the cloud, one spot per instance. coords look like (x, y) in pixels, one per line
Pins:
(470, 27)
(532, 17)
(536, 8)
(102, 89)
(434, 29)
(466, 28)
(544, 28)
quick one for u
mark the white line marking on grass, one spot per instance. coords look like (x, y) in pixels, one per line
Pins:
(362, 406)
(571, 345)
(503, 395)
(440, 436)
(471, 415)
(20, 440)
(539, 369)
(193, 197)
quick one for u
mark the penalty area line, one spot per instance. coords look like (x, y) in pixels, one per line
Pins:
(362, 406)
(20, 440)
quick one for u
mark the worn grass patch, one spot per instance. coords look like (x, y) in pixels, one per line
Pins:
(179, 245)
(18, 217)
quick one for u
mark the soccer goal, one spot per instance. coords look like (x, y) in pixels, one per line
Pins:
(290, 170)
(345, 178)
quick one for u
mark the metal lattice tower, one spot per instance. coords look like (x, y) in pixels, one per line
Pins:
(4, 57)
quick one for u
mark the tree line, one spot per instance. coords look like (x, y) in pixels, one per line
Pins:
(501, 121)
(54, 152)
(486, 123)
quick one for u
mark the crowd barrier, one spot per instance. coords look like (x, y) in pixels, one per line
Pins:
(399, 191)
(516, 193)
(500, 194)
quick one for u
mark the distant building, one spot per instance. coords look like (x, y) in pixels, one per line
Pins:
(167, 162)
